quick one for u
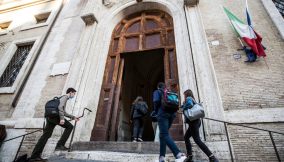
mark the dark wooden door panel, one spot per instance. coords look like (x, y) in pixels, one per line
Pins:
(142, 31)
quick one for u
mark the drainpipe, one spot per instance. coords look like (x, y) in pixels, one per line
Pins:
(26, 77)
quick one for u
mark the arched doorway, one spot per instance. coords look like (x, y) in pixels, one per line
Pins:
(141, 54)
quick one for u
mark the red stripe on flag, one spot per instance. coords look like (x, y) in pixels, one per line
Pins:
(256, 45)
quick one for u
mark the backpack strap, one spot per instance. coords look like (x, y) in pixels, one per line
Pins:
(193, 100)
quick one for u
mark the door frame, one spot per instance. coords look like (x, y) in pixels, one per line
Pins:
(141, 31)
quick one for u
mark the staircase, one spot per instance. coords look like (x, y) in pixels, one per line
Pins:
(130, 152)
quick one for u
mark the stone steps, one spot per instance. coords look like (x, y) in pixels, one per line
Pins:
(106, 156)
(132, 152)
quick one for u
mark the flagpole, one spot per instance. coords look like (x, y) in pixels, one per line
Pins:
(265, 62)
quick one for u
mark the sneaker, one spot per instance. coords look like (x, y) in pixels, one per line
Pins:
(37, 159)
(181, 159)
(188, 159)
(61, 148)
(213, 159)
(139, 140)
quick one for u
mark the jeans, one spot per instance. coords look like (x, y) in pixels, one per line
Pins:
(138, 127)
(165, 121)
(193, 131)
(47, 132)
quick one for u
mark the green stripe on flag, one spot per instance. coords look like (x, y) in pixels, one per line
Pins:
(232, 17)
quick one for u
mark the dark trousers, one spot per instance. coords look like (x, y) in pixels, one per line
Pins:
(193, 131)
(47, 132)
(138, 127)
(165, 121)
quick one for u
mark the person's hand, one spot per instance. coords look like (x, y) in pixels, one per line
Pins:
(76, 119)
(62, 122)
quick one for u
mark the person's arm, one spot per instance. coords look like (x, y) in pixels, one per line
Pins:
(132, 111)
(188, 103)
(61, 108)
(156, 101)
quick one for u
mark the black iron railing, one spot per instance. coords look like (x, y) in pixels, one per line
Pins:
(37, 130)
(242, 125)
(225, 125)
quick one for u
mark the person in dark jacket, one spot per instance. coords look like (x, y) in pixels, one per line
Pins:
(138, 111)
(51, 122)
(165, 121)
(193, 131)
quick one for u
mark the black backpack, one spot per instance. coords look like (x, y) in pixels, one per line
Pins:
(51, 107)
(142, 108)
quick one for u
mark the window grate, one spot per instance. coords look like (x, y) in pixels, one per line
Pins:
(12, 70)
(280, 6)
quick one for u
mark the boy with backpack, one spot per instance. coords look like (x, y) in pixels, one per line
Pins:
(55, 113)
(165, 106)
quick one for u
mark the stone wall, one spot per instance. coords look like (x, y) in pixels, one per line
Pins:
(256, 145)
(244, 85)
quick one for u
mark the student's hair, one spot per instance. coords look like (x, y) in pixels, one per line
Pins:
(161, 85)
(138, 98)
(70, 90)
(188, 93)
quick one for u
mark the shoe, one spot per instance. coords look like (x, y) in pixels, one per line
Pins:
(213, 159)
(61, 148)
(188, 159)
(37, 159)
(181, 159)
(139, 140)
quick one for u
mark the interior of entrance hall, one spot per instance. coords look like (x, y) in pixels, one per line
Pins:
(142, 71)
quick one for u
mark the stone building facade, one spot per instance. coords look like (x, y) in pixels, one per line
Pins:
(185, 43)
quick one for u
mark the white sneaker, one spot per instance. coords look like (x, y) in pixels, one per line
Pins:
(181, 159)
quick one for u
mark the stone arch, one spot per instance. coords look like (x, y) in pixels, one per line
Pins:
(146, 30)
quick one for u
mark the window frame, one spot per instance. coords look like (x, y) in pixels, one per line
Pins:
(8, 56)
(36, 25)
(5, 31)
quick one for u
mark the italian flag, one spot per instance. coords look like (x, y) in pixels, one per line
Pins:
(247, 33)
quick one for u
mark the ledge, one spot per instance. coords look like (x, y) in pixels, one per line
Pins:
(267, 115)
(275, 16)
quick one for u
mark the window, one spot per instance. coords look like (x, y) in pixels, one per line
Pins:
(280, 6)
(12, 70)
(42, 18)
(5, 25)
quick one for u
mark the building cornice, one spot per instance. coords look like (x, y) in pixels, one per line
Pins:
(19, 5)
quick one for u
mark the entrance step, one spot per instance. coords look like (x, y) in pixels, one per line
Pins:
(105, 156)
(139, 151)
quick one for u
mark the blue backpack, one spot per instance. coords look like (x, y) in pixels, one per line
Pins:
(170, 101)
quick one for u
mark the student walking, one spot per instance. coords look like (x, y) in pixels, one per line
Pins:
(138, 111)
(193, 131)
(165, 120)
(51, 122)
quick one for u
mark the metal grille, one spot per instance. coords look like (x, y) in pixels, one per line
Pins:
(280, 6)
(12, 70)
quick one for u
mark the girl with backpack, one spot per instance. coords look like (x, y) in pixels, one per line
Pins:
(193, 131)
(138, 111)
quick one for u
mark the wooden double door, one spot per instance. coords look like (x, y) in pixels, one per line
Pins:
(147, 32)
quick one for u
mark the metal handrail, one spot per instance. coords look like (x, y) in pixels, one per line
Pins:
(241, 125)
(221, 121)
(238, 124)
(24, 135)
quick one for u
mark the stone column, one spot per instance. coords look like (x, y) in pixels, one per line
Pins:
(205, 75)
